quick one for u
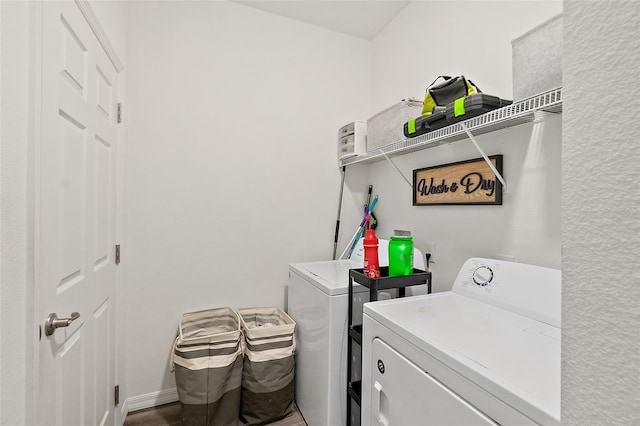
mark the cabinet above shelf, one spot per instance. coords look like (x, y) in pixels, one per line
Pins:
(524, 111)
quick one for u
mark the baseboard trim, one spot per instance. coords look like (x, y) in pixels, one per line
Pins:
(153, 399)
(124, 410)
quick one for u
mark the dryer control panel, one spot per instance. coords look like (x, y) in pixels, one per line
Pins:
(482, 275)
(528, 290)
(485, 273)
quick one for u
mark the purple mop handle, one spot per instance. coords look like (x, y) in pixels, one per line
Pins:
(367, 212)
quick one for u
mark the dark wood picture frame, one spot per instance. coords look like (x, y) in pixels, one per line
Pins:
(469, 182)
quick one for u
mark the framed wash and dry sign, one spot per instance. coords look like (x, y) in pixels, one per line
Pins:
(465, 182)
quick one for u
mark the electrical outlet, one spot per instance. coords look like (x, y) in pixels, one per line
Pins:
(430, 247)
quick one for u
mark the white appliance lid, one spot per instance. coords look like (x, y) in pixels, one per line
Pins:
(513, 357)
(330, 276)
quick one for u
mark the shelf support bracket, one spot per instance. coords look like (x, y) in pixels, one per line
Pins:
(397, 169)
(491, 166)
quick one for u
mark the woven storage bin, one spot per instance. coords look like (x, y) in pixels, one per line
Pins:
(386, 127)
(207, 358)
(268, 373)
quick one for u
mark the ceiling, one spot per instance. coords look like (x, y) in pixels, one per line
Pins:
(360, 18)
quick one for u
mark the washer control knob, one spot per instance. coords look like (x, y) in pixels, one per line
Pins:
(482, 275)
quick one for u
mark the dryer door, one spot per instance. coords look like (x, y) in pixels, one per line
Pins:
(404, 394)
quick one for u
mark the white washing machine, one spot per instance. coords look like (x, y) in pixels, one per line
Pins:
(318, 303)
(485, 353)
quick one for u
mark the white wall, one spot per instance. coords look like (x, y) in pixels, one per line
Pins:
(526, 225)
(472, 39)
(16, 314)
(601, 215)
(231, 162)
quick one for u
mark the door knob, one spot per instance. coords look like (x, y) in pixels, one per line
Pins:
(54, 322)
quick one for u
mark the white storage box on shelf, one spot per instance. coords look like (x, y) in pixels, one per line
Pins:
(352, 139)
(537, 59)
(386, 126)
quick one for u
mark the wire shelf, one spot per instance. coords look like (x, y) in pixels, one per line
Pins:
(524, 111)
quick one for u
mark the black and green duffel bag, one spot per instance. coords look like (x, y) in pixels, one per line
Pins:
(442, 93)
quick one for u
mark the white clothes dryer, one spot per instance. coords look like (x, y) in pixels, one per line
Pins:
(317, 297)
(485, 353)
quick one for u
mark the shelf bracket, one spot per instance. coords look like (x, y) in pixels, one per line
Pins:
(397, 169)
(491, 166)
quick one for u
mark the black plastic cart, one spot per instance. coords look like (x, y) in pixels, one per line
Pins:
(384, 282)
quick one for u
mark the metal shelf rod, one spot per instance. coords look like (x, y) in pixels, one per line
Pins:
(489, 163)
(398, 170)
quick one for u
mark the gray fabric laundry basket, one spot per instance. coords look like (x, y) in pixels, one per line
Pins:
(207, 359)
(268, 373)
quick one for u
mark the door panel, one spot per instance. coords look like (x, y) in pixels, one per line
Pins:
(71, 385)
(103, 378)
(71, 199)
(73, 56)
(103, 165)
(404, 394)
(76, 221)
(104, 90)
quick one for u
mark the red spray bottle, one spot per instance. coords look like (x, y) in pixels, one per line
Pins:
(371, 264)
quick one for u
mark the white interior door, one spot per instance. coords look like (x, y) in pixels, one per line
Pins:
(76, 222)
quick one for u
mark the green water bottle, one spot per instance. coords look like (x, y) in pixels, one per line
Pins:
(400, 256)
